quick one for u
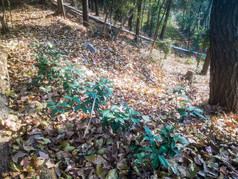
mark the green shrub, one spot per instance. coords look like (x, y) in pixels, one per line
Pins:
(47, 63)
(183, 105)
(190, 61)
(119, 119)
(75, 92)
(157, 149)
(99, 91)
(165, 46)
(89, 91)
(71, 79)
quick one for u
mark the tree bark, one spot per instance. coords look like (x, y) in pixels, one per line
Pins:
(199, 59)
(111, 16)
(166, 20)
(151, 26)
(96, 8)
(5, 28)
(91, 5)
(138, 21)
(142, 15)
(60, 8)
(153, 11)
(206, 63)
(105, 21)
(157, 27)
(130, 22)
(224, 54)
(85, 13)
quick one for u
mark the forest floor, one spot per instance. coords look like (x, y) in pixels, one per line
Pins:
(140, 80)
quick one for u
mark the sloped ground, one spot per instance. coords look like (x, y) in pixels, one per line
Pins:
(4, 85)
(58, 142)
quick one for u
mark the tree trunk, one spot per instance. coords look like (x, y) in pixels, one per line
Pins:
(138, 21)
(224, 54)
(60, 8)
(89, 4)
(85, 13)
(5, 28)
(142, 15)
(105, 21)
(96, 8)
(153, 11)
(157, 27)
(130, 21)
(166, 20)
(206, 63)
(92, 5)
(151, 26)
(199, 59)
(111, 16)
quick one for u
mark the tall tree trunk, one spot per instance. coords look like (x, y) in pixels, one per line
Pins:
(224, 54)
(152, 19)
(92, 5)
(89, 4)
(157, 27)
(142, 15)
(85, 13)
(138, 21)
(60, 8)
(151, 26)
(111, 15)
(189, 36)
(166, 20)
(5, 28)
(130, 21)
(199, 59)
(105, 21)
(206, 63)
(96, 8)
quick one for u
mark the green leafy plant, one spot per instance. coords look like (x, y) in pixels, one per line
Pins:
(190, 111)
(47, 63)
(71, 79)
(165, 46)
(183, 105)
(119, 118)
(99, 91)
(157, 148)
(80, 96)
(190, 61)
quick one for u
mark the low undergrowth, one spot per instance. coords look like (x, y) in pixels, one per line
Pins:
(133, 131)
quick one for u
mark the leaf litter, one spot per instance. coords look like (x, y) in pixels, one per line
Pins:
(58, 142)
